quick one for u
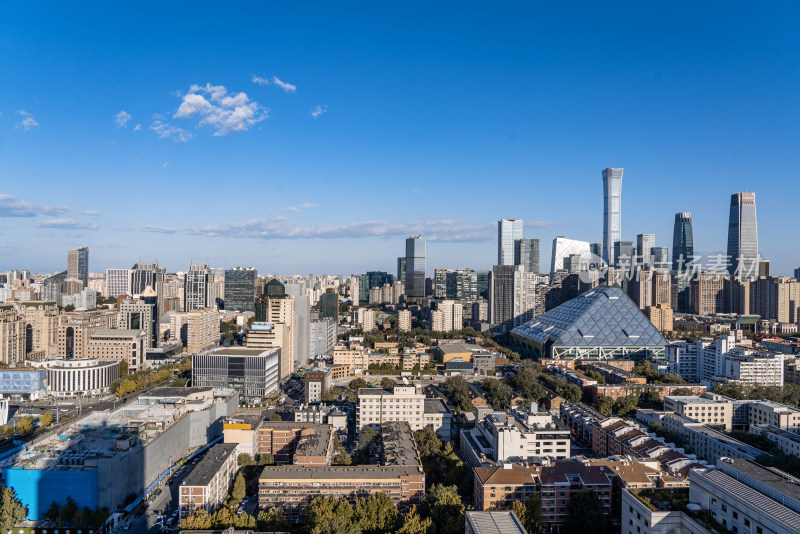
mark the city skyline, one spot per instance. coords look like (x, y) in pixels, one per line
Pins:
(199, 185)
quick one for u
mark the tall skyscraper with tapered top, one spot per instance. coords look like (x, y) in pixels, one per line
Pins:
(612, 212)
(682, 241)
(743, 236)
(508, 231)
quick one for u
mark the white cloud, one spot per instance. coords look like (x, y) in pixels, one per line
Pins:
(259, 80)
(28, 122)
(438, 230)
(289, 88)
(165, 130)
(296, 209)
(137, 127)
(316, 111)
(165, 164)
(225, 113)
(66, 224)
(11, 206)
(122, 118)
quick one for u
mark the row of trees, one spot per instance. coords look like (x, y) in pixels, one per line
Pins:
(442, 465)
(144, 379)
(226, 515)
(71, 515)
(24, 426)
(787, 394)
(440, 512)
(645, 369)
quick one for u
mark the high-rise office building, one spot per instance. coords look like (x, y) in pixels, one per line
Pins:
(623, 255)
(78, 264)
(508, 231)
(277, 316)
(401, 270)
(526, 253)
(141, 314)
(150, 274)
(199, 288)
(612, 212)
(302, 321)
(515, 296)
(660, 258)
(743, 235)
(415, 267)
(118, 282)
(644, 248)
(682, 241)
(455, 284)
(329, 305)
(240, 289)
(563, 248)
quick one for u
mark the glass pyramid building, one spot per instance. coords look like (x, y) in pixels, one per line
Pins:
(601, 324)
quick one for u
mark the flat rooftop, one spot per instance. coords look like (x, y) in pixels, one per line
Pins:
(435, 406)
(204, 472)
(337, 473)
(777, 480)
(241, 351)
(449, 348)
(494, 523)
(399, 447)
(694, 399)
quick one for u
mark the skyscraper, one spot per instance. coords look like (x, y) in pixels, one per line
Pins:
(612, 212)
(199, 288)
(415, 267)
(78, 264)
(118, 282)
(240, 289)
(660, 258)
(644, 248)
(563, 248)
(508, 231)
(329, 305)
(401, 270)
(526, 253)
(682, 241)
(743, 235)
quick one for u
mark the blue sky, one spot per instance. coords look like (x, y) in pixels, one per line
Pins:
(315, 137)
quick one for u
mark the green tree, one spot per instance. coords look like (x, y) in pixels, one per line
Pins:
(444, 506)
(123, 367)
(244, 521)
(266, 459)
(458, 390)
(11, 509)
(199, 520)
(428, 442)
(25, 425)
(246, 459)
(626, 405)
(275, 417)
(340, 455)
(585, 514)
(46, 419)
(239, 490)
(387, 383)
(526, 383)
(68, 511)
(414, 524)
(336, 525)
(498, 393)
(605, 405)
(357, 384)
(272, 520)
(53, 513)
(376, 514)
(530, 514)
(223, 518)
(325, 508)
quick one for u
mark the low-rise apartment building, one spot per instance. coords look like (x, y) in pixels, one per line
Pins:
(401, 403)
(208, 483)
(400, 476)
(712, 410)
(515, 436)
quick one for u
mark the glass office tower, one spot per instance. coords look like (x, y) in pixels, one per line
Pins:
(682, 241)
(240, 289)
(415, 267)
(612, 212)
(743, 235)
(526, 253)
(508, 231)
